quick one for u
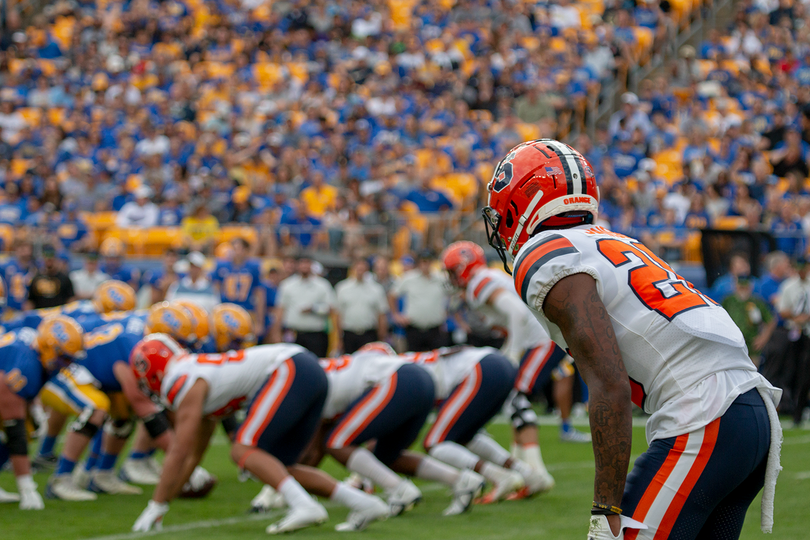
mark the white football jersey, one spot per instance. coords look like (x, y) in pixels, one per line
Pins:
(530, 333)
(352, 374)
(448, 366)
(685, 357)
(233, 377)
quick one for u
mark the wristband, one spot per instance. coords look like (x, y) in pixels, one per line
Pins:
(156, 424)
(605, 510)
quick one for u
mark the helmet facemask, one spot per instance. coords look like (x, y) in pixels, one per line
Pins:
(491, 222)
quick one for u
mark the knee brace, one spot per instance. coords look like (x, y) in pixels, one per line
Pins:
(83, 425)
(156, 424)
(121, 429)
(17, 439)
(519, 409)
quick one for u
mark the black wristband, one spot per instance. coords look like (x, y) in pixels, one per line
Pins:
(156, 424)
(605, 510)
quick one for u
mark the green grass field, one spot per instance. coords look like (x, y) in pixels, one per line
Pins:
(561, 514)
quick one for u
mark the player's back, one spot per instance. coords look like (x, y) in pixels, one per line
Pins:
(107, 345)
(449, 366)
(24, 373)
(233, 377)
(685, 357)
(350, 375)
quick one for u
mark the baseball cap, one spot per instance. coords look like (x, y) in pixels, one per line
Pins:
(197, 259)
(630, 97)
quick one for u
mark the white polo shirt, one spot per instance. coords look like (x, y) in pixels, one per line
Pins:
(425, 298)
(360, 303)
(297, 295)
(794, 297)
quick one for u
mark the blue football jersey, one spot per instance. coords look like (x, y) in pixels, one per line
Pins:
(17, 280)
(31, 319)
(108, 345)
(238, 284)
(124, 273)
(24, 373)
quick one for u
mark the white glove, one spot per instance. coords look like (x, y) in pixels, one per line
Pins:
(199, 477)
(30, 499)
(151, 518)
(600, 528)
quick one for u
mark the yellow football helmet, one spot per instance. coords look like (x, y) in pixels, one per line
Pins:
(59, 338)
(232, 327)
(114, 295)
(199, 317)
(165, 318)
(112, 247)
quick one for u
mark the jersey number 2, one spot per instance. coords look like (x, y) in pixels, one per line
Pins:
(652, 280)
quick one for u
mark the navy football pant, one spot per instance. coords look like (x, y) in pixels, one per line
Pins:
(698, 486)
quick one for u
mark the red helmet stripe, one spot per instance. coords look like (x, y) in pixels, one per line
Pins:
(540, 253)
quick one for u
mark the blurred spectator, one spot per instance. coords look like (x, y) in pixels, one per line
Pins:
(794, 307)
(724, 285)
(17, 273)
(200, 229)
(778, 267)
(629, 117)
(140, 213)
(363, 308)
(318, 197)
(194, 286)
(534, 106)
(424, 294)
(304, 304)
(112, 264)
(50, 286)
(160, 279)
(88, 278)
(238, 281)
(752, 315)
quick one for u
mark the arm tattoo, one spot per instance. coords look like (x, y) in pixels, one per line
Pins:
(573, 304)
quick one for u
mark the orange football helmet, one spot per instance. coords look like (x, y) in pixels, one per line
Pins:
(461, 259)
(539, 184)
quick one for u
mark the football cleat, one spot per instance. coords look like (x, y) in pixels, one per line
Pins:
(267, 499)
(108, 482)
(574, 436)
(44, 462)
(62, 487)
(299, 518)
(359, 482)
(469, 485)
(81, 476)
(6, 497)
(404, 497)
(360, 519)
(509, 483)
(139, 471)
(536, 482)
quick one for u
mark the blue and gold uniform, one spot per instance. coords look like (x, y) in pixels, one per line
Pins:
(23, 371)
(238, 283)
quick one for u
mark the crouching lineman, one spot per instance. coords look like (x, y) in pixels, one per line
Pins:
(381, 397)
(639, 332)
(491, 293)
(284, 390)
(100, 390)
(28, 358)
(471, 385)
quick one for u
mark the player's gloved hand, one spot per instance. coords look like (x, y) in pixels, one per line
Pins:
(30, 499)
(151, 518)
(600, 528)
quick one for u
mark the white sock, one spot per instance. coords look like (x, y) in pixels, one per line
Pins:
(486, 447)
(294, 494)
(492, 472)
(351, 498)
(366, 464)
(454, 454)
(533, 457)
(435, 470)
(516, 450)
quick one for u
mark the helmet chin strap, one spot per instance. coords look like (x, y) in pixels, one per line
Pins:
(522, 221)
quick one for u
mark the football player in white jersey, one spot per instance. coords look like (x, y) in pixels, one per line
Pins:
(472, 383)
(283, 389)
(491, 294)
(638, 331)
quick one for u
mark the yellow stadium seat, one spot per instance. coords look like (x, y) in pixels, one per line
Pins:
(56, 116)
(730, 223)
(229, 232)
(19, 166)
(298, 70)
(6, 236)
(528, 132)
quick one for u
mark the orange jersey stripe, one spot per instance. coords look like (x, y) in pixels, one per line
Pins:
(534, 256)
(480, 287)
(674, 510)
(657, 483)
(175, 389)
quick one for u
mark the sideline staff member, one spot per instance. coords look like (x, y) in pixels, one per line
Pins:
(304, 303)
(363, 308)
(425, 306)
